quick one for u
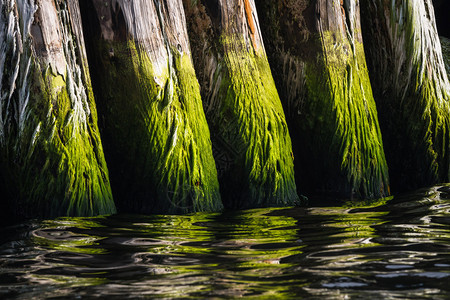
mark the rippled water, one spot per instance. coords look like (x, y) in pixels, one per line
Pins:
(396, 249)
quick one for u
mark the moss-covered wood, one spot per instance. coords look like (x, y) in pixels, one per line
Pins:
(251, 141)
(411, 88)
(317, 57)
(51, 157)
(154, 129)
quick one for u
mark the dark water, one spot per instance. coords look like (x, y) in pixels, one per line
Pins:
(396, 249)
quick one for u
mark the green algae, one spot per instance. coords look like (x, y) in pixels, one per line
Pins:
(249, 126)
(51, 157)
(155, 133)
(325, 90)
(412, 91)
(343, 125)
(251, 142)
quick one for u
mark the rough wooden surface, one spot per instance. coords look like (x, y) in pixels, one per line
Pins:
(316, 53)
(153, 126)
(51, 157)
(411, 88)
(251, 142)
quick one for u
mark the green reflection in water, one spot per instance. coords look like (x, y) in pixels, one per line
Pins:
(259, 239)
(56, 235)
(259, 253)
(67, 281)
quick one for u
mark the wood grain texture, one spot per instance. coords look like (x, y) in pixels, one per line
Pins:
(51, 156)
(411, 88)
(154, 129)
(251, 142)
(316, 53)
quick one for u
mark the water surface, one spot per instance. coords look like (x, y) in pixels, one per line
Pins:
(394, 249)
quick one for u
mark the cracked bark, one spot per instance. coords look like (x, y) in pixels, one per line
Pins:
(251, 142)
(411, 88)
(51, 157)
(153, 126)
(316, 53)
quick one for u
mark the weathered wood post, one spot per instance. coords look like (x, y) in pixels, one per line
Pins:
(316, 53)
(156, 138)
(250, 136)
(51, 157)
(411, 88)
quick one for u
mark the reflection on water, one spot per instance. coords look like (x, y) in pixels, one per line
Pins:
(396, 249)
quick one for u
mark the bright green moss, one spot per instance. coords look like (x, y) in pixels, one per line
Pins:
(249, 128)
(155, 132)
(51, 158)
(340, 126)
(411, 89)
(428, 139)
(56, 166)
(321, 74)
